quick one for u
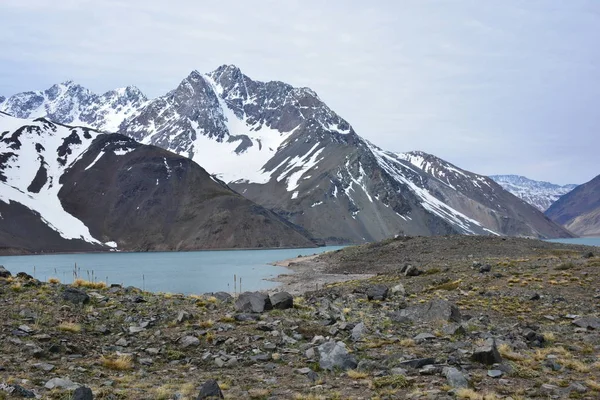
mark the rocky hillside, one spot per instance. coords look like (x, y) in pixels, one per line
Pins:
(284, 148)
(539, 194)
(579, 210)
(70, 189)
(479, 327)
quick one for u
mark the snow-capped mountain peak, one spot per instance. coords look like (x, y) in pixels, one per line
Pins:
(539, 194)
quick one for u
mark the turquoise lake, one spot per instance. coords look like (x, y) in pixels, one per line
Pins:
(194, 272)
(588, 241)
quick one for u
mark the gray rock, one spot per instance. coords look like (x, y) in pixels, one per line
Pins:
(412, 271)
(219, 362)
(44, 366)
(377, 292)
(485, 268)
(577, 387)
(183, 316)
(135, 329)
(122, 342)
(455, 378)
(435, 310)
(417, 362)
(26, 329)
(398, 290)
(454, 330)
(61, 383)
(246, 317)
(253, 302)
(335, 355)
(188, 341)
(303, 371)
(83, 393)
(223, 297)
(358, 332)
(282, 301)
(146, 361)
(487, 354)
(421, 337)
(75, 296)
(18, 391)
(495, 373)
(588, 322)
(210, 390)
(309, 353)
(4, 273)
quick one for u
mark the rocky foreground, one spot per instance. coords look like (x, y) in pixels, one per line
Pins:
(471, 325)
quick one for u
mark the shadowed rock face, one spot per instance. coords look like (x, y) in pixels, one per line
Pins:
(579, 210)
(152, 199)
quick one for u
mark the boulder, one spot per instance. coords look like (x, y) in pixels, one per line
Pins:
(210, 390)
(455, 378)
(83, 393)
(412, 271)
(435, 310)
(335, 355)
(75, 296)
(358, 332)
(487, 354)
(60, 383)
(223, 297)
(282, 301)
(188, 341)
(588, 322)
(4, 273)
(253, 302)
(377, 292)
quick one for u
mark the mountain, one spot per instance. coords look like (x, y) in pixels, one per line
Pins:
(579, 210)
(539, 194)
(284, 148)
(72, 104)
(68, 188)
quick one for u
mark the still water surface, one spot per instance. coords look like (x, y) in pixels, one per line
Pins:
(184, 272)
(588, 241)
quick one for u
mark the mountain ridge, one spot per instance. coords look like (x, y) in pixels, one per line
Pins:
(284, 148)
(540, 194)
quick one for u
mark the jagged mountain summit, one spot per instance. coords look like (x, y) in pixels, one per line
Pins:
(284, 148)
(72, 104)
(539, 194)
(66, 188)
(579, 210)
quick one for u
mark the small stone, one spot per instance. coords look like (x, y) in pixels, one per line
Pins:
(310, 353)
(146, 361)
(495, 373)
(152, 350)
(303, 371)
(422, 337)
(412, 271)
(210, 389)
(577, 387)
(398, 290)
(188, 341)
(485, 268)
(219, 362)
(122, 342)
(183, 316)
(20, 391)
(246, 317)
(586, 322)
(358, 332)
(83, 393)
(223, 297)
(428, 370)
(455, 378)
(61, 383)
(44, 366)
(417, 362)
(135, 329)
(25, 328)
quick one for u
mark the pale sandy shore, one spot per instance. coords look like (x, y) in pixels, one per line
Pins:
(309, 274)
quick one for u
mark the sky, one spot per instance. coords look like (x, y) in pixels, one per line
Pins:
(495, 87)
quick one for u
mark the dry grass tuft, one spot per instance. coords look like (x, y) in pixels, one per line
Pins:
(506, 352)
(54, 280)
(88, 284)
(71, 327)
(120, 363)
(593, 385)
(259, 393)
(354, 374)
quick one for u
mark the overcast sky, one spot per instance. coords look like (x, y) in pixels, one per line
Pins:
(496, 86)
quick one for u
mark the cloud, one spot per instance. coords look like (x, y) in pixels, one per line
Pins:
(500, 87)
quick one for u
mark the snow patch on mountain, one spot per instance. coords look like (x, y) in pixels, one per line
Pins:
(31, 147)
(539, 194)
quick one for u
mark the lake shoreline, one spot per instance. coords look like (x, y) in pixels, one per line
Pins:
(308, 275)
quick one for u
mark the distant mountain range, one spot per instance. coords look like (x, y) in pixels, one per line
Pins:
(579, 210)
(537, 193)
(74, 189)
(283, 148)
